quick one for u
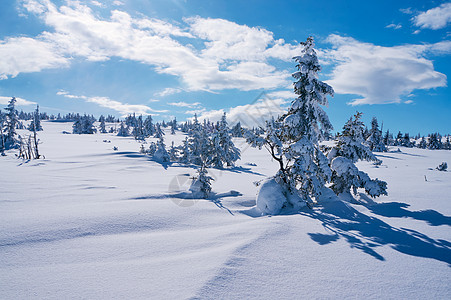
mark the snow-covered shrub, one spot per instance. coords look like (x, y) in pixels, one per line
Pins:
(346, 176)
(272, 197)
(348, 150)
(201, 184)
(442, 167)
(161, 154)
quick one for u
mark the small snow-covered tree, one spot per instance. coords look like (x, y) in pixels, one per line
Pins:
(293, 139)
(237, 131)
(173, 152)
(102, 124)
(158, 131)
(201, 184)
(348, 150)
(422, 144)
(161, 154)
(123, 131)
(374, 141)
(185, 152)
(35, 124)
(224, 150)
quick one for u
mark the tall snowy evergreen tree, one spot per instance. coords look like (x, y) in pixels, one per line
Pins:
(102, 124)
(199, 144)
(149, 128)
(2, 136)
(237, 131)
(349, 149)
(224, 150)
(35, 124)
(11, 140)
(159, 133)
(293, 139)
(138, 129)
(435, 141)
(374, 141)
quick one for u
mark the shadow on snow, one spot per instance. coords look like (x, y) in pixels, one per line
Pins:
(368, 232)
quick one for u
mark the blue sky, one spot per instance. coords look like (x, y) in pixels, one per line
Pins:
(388, 59)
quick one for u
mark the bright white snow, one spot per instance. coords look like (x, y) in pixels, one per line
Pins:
(91, 222)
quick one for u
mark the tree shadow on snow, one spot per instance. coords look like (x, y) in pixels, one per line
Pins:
(214, 197)
(367, 232)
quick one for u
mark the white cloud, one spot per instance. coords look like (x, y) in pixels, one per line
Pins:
(97, 3)
(168, 91)
(123, 108)
(24, 55)
(394, 26)
(233, 56)
(250, 115)
(382, 74)
(435, 18)
(407, 11)
(118, 3)
(20, 101)
(184, 104)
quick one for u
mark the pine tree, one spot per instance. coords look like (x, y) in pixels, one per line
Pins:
(138, 129)
(173, 126)
(224, 150)
(199, 144)
(434, 142)
(35, 124)
(84, 125)
(102, 124)
(2, 136)
(293, 139)
(123, 131)
(201, 184)
(161, 154)
(374, 140)
(149, 128)
(11, 140)
(158, 131)
(422, 144)
(237, 131)
(349, 149)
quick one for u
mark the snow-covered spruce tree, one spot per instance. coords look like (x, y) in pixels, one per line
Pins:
(35, 124)
(293, 140)
(185, 152)
(149, 128)
(102, 124)
(201, 184)
(374, 141)
(10, 140)
(199, 144)
(435, 141)
(422, 144)
(237, 131)
(138, 129)
(158, 131)
(173, 126)
(173, 152)
(161, 154)
(123, 131)
(224, 150)
(84, 125)
(348, 150)
(2, 136)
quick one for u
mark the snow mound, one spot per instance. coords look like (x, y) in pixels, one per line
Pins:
(271, 197)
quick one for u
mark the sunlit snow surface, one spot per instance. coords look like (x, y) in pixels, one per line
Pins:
(88, 222)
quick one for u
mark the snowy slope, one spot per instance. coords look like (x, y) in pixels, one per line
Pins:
(91, 222)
